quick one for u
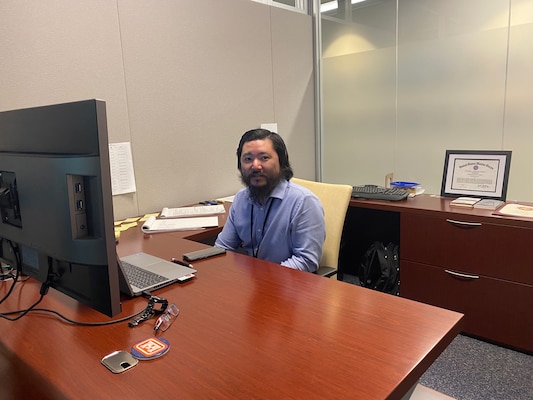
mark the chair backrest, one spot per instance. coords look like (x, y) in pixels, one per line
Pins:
(335, 199)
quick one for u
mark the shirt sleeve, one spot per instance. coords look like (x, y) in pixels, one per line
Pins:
(229, 238)
(308, 232)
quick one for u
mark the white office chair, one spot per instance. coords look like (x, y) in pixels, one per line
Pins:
(335, 199)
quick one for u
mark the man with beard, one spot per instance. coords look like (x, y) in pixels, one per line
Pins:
(273, 218)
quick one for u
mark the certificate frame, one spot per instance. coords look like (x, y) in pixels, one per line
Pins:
(476, 173)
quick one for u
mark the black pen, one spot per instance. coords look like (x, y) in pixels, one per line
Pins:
(176, 261)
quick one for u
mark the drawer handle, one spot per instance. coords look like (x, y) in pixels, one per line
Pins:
(464, 223)
(460, 275)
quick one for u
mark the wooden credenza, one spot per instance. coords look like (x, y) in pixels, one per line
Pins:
(465, 260)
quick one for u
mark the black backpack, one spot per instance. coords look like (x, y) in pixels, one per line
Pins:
(380, 268)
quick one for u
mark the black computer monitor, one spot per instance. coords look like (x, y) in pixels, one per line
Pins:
(56, 203)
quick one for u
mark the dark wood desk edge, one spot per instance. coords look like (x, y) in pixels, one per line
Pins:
(426, 204)
(199, 236)
(424, 365)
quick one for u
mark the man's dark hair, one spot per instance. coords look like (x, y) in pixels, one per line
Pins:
(279, 147)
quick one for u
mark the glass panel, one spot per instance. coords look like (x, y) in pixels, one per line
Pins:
(519, 100)
(451, 82)
(358, 108)
(404, 80)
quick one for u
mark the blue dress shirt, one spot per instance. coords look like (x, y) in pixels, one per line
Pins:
(288, 229)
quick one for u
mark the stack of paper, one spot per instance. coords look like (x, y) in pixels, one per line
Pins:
(489, 204)
(467, 202)
(192, 211)
(153, 225)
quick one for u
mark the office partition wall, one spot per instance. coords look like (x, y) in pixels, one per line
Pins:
(182, 81)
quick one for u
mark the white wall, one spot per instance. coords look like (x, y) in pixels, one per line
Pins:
(182, 79)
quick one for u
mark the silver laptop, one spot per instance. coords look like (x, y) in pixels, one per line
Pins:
(143, 272)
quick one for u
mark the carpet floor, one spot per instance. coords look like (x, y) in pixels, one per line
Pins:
(470, 369)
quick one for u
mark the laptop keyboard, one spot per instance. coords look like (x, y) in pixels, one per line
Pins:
(139, 277)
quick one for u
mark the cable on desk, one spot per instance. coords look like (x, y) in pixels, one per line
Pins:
(21, 312)
(44, 290)
(32, 309)
(18, 269)
(80, 323)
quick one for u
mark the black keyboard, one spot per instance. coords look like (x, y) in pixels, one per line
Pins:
(379, 193)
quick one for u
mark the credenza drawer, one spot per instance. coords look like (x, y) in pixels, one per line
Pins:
(469, 246)
(499, 311)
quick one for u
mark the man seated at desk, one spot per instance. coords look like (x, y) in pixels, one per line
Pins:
(272, 218)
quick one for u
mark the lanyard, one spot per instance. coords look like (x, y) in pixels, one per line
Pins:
(255, 250)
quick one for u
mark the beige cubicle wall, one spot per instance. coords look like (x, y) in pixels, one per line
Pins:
(182, 81)
(404, 81)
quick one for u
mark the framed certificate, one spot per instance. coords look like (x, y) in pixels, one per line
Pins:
(477, 173)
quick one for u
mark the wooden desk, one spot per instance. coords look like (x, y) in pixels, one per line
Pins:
(247, 329)
(467, 260)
